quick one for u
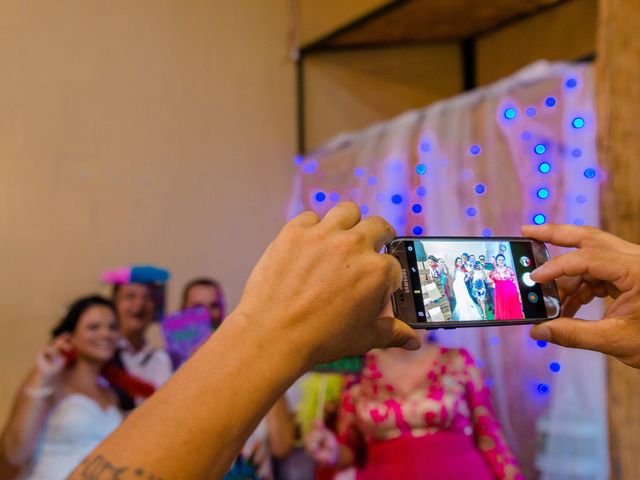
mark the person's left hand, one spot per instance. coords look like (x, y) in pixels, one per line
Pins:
(322, 284)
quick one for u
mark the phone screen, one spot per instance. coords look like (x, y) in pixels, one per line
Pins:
(471, 281)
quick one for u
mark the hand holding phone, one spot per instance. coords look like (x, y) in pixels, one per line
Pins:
(450, 282)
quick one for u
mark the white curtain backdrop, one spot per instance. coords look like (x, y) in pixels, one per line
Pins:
(519, 151)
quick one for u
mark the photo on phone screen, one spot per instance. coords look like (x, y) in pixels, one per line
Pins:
(471, 281)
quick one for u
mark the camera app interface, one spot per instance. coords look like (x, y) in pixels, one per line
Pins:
(474, 280)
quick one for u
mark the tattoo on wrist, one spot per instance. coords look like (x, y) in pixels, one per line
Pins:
(100, 468)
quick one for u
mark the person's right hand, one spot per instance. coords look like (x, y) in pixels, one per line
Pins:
(50, 360)
(322, 445)
(602, 266)
(321, 286)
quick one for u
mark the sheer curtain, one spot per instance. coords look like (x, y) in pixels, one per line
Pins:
(522, 150)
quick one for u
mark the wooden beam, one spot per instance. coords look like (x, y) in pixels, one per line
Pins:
(618, 91)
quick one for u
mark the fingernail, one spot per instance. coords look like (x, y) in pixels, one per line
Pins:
(413, 344)
(537, 271)
(541, 332)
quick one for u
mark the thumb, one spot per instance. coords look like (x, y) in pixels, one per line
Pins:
(600, 335)
(391, 332)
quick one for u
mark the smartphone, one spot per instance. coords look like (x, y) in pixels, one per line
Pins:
(450, 282)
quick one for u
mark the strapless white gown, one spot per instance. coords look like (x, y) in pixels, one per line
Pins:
(466, 308)
(75, 426)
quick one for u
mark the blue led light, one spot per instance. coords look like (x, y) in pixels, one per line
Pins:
(334, 196)
(510, 113)
(364, 209)
(421, 191)
(540, 149)
(571, 83)
(320, 197)
(541, 343)
(372, 180)
(544, 389)
(417, 230)
(543, 193)
(359, 172)
(539, 219)
(472, 211)
(475, 149)
(416, 208)
(544, 167)
(589, 173)
(396, 199)
(530, 111)
(480, 189)
(577, 122)
(425, 146)
(550, 102)
(487, 232)
(554, 367)
(421, 169)
(579, 222)
(576, 153)
(309, 168)
(298, 159)
(526, 136)
(581, 199)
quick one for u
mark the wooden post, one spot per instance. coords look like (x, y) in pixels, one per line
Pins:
(618, 104)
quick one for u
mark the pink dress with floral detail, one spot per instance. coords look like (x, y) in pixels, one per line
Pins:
(507, 297)
(444, 429)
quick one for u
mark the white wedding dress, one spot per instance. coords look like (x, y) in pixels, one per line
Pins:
(466, 308)
(75, 426)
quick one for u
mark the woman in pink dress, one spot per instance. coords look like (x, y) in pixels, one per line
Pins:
(508, 305)
(415, 415)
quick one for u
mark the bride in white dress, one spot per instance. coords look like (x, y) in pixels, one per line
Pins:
(466, 308)
(65, 408)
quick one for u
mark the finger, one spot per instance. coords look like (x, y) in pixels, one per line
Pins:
(395, 274)
(391, 332)
(568, 285)
(560, 235)
(62, 342)
(305, 219)
(610, 266)
(343, 216)
(376, 231)
(600, 335)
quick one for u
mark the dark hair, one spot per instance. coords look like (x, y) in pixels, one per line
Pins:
(432, 258)
(202, 281)
(503, 257)
(70, 321)
(455, 262)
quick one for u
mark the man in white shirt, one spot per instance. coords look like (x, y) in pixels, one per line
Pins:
(136, 309)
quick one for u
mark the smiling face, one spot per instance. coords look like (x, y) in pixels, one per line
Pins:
(458, 262)
(500, 261)
(209, 297)
(96, 335)
(135, 307)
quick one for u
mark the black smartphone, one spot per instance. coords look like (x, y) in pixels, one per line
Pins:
(450, 282)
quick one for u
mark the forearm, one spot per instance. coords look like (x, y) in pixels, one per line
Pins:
(203, 415)
(25, 424)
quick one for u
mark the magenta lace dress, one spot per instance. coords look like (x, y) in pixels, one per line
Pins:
(507, 298)
(444, 429)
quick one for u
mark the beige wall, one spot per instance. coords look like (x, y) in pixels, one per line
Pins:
(318, 18)
(135, 131)
(565, 32)
(351, 89)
